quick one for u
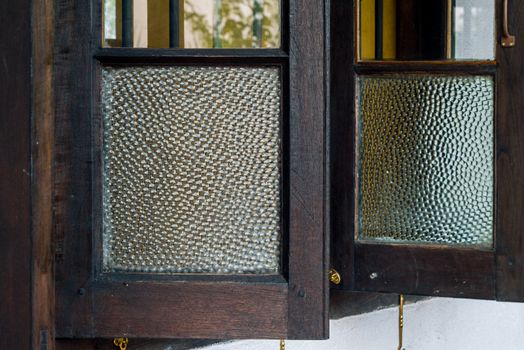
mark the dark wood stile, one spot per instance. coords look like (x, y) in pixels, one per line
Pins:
(15, 178)
(308, 265)
(510, 161)
(26, 134)
(342, 145)
(91, 304)
(72, 166)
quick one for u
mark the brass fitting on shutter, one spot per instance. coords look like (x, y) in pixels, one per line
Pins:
(334, 276)
(400, 320)
(121, 343)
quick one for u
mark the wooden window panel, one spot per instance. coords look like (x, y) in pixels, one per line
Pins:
(293, 305)
(419, 269)
(26, 124)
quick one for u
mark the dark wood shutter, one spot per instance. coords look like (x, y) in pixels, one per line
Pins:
(493, 273)
(92, 304)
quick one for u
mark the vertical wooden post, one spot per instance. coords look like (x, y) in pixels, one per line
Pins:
(379, 29)
(174, 23)
(127, 23)
(26, 140)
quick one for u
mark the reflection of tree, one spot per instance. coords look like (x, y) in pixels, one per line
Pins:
(198, 25)
(236, 23)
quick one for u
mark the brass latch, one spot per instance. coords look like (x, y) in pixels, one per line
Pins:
(400, 320)
(334, 276)
(121, 343)
(508, 40)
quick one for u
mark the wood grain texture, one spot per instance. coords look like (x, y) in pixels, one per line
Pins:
(196, 310)
(15, 175)
(342, 116)
(26, 207)
(210, 310)
(510, 160)
(417, 270)
(42, 175)
(72, 195)
(308, 223)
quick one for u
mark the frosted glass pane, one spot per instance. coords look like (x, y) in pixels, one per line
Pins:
(425, 159)
(192, 169)
(474, 29)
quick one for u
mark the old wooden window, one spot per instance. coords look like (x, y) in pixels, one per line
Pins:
(175, 173)
(189, 184)
(426, 174)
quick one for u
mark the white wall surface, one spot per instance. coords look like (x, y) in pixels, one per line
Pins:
(434, 324)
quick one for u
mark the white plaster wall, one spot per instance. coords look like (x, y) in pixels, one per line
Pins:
(434, 324)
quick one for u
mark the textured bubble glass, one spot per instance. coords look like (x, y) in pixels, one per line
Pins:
(191, 169)
(425, 159)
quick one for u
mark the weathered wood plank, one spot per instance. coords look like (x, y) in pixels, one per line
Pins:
(510, 161)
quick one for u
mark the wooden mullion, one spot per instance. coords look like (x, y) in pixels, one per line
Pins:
(174, 23)
(127, 23)
(196, 56)
(427, 67)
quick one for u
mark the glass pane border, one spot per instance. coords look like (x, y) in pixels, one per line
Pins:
(97, 132)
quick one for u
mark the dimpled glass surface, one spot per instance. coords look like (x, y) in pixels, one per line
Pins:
(425, 159)
(191, 169)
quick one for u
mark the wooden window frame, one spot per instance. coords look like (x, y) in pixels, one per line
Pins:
(27, 128)
(496, 273)
(292, 306)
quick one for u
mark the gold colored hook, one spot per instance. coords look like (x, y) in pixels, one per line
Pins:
(508, 40)
(400, 320)
(334, 276)
(282, 344)
(121, 343)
